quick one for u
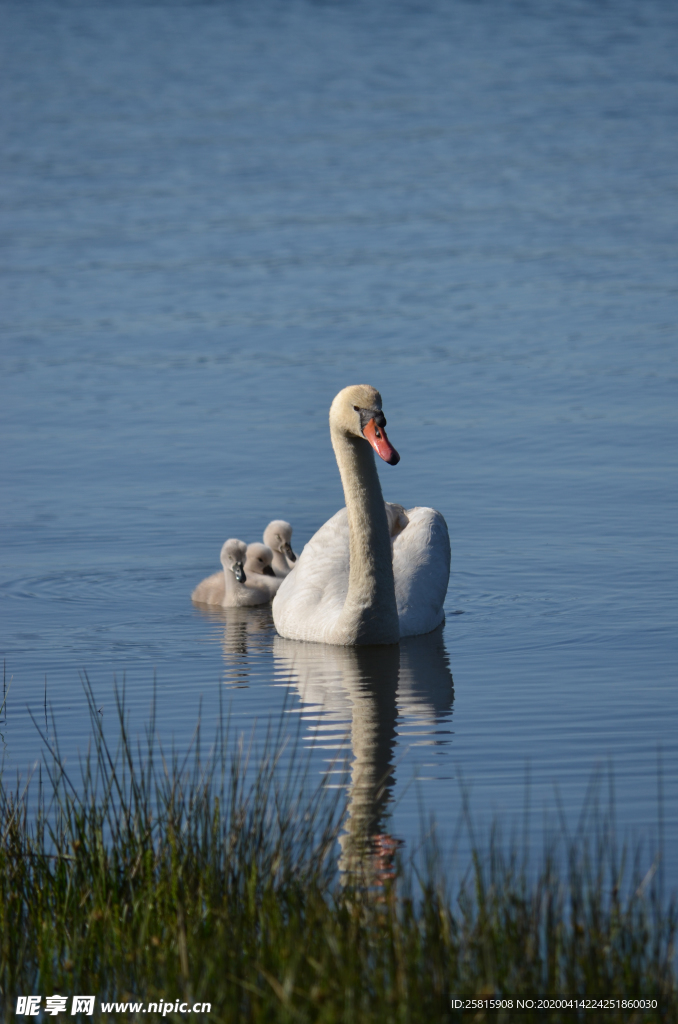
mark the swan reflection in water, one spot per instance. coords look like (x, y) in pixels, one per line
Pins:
(246, 637)
(356, 701)
(362, 693)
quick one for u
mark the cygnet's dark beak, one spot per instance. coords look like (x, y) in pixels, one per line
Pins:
(287, 549)
(239, 572)
(268, 570)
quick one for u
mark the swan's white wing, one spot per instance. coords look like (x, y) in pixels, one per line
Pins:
(421, 569)
(312, 597)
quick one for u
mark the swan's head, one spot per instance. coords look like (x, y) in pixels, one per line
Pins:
(278, 536)
(233, 555)
(357, 410)
(259, 558)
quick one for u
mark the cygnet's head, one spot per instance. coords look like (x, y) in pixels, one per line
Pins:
(278, 536)
(259, 558)
(357, 411)
(233, 555)
(397, 518)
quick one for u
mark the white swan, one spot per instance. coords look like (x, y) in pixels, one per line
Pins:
(230, 588)
(259, 570)
(278, 536)
(353, 584)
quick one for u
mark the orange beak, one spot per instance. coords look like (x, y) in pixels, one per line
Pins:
(381, 444)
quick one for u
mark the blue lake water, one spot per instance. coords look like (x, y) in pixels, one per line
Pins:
(217, 215)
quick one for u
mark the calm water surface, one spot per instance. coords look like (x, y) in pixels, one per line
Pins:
(216, 216)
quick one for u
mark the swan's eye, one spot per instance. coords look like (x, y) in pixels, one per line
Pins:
(356, 408)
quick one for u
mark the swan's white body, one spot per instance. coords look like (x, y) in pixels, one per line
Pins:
(315, 593)
(354, 583)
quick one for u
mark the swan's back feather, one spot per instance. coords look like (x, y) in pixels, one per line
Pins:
(421, 570)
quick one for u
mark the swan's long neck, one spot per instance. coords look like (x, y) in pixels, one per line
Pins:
(370, 614)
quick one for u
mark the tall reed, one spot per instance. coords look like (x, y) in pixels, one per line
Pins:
(212, 878)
